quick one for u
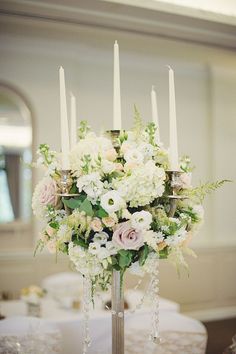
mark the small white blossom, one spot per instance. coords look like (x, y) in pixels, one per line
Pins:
(91, 184)
(100, 238)
(141, 220)
(112, 201)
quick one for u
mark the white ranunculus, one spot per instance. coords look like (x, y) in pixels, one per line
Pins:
(141, 220)
(144, 184)
(112, 201)
(134, 156)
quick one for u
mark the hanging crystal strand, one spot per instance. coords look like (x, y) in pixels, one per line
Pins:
(86, 304)
(155, 335)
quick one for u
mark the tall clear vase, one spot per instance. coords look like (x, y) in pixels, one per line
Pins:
(117, 313)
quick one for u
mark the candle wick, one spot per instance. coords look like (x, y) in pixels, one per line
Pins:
(153, 87)
(116, 42)
(169, 67)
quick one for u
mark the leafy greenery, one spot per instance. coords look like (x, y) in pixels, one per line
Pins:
(143, 253)
(47, 155)
(83, 129)
(151, 130)
(138, 124)
(201, 191)
(86, 206)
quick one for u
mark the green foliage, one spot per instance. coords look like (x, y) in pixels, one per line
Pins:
(86, 206)
(81, 203)
(143, 253)
(86, 162)
(138, 124)
(124, 258)
(54, 225)
(79, 241)
(151, 130)
(163, 254)
(72, 203)
(101, 213)
(199, 193)
(185, 164)
(83, 129)
(47, 155)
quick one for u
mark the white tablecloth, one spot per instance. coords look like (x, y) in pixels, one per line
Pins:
(181, 334)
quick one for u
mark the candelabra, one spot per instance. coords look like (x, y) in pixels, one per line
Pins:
(175, 186)
(117, 292)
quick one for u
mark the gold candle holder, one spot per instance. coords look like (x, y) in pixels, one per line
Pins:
(174, 178)
(113, 135)
(65, 184)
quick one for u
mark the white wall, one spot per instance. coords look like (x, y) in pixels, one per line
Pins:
(31, 53)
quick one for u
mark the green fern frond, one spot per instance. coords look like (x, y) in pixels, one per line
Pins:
(200, 192)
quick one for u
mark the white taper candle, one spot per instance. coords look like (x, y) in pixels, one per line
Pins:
(155, 117)
(73, 125)
(174, 163)
(116, 90)
(65, 145)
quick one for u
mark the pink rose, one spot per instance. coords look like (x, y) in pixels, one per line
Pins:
(126, 237)
(48, 192)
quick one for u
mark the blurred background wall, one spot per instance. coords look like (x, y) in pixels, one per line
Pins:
(35, 39)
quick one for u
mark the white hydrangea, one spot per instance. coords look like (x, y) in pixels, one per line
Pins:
(144, 184)
(85, 262)
(141, 220)
(92, 185)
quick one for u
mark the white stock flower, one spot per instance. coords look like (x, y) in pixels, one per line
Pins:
(112, 201)
(141, 220)
(91, 184)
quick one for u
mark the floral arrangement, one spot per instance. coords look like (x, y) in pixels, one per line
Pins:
(32, 294)
(117, 214)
